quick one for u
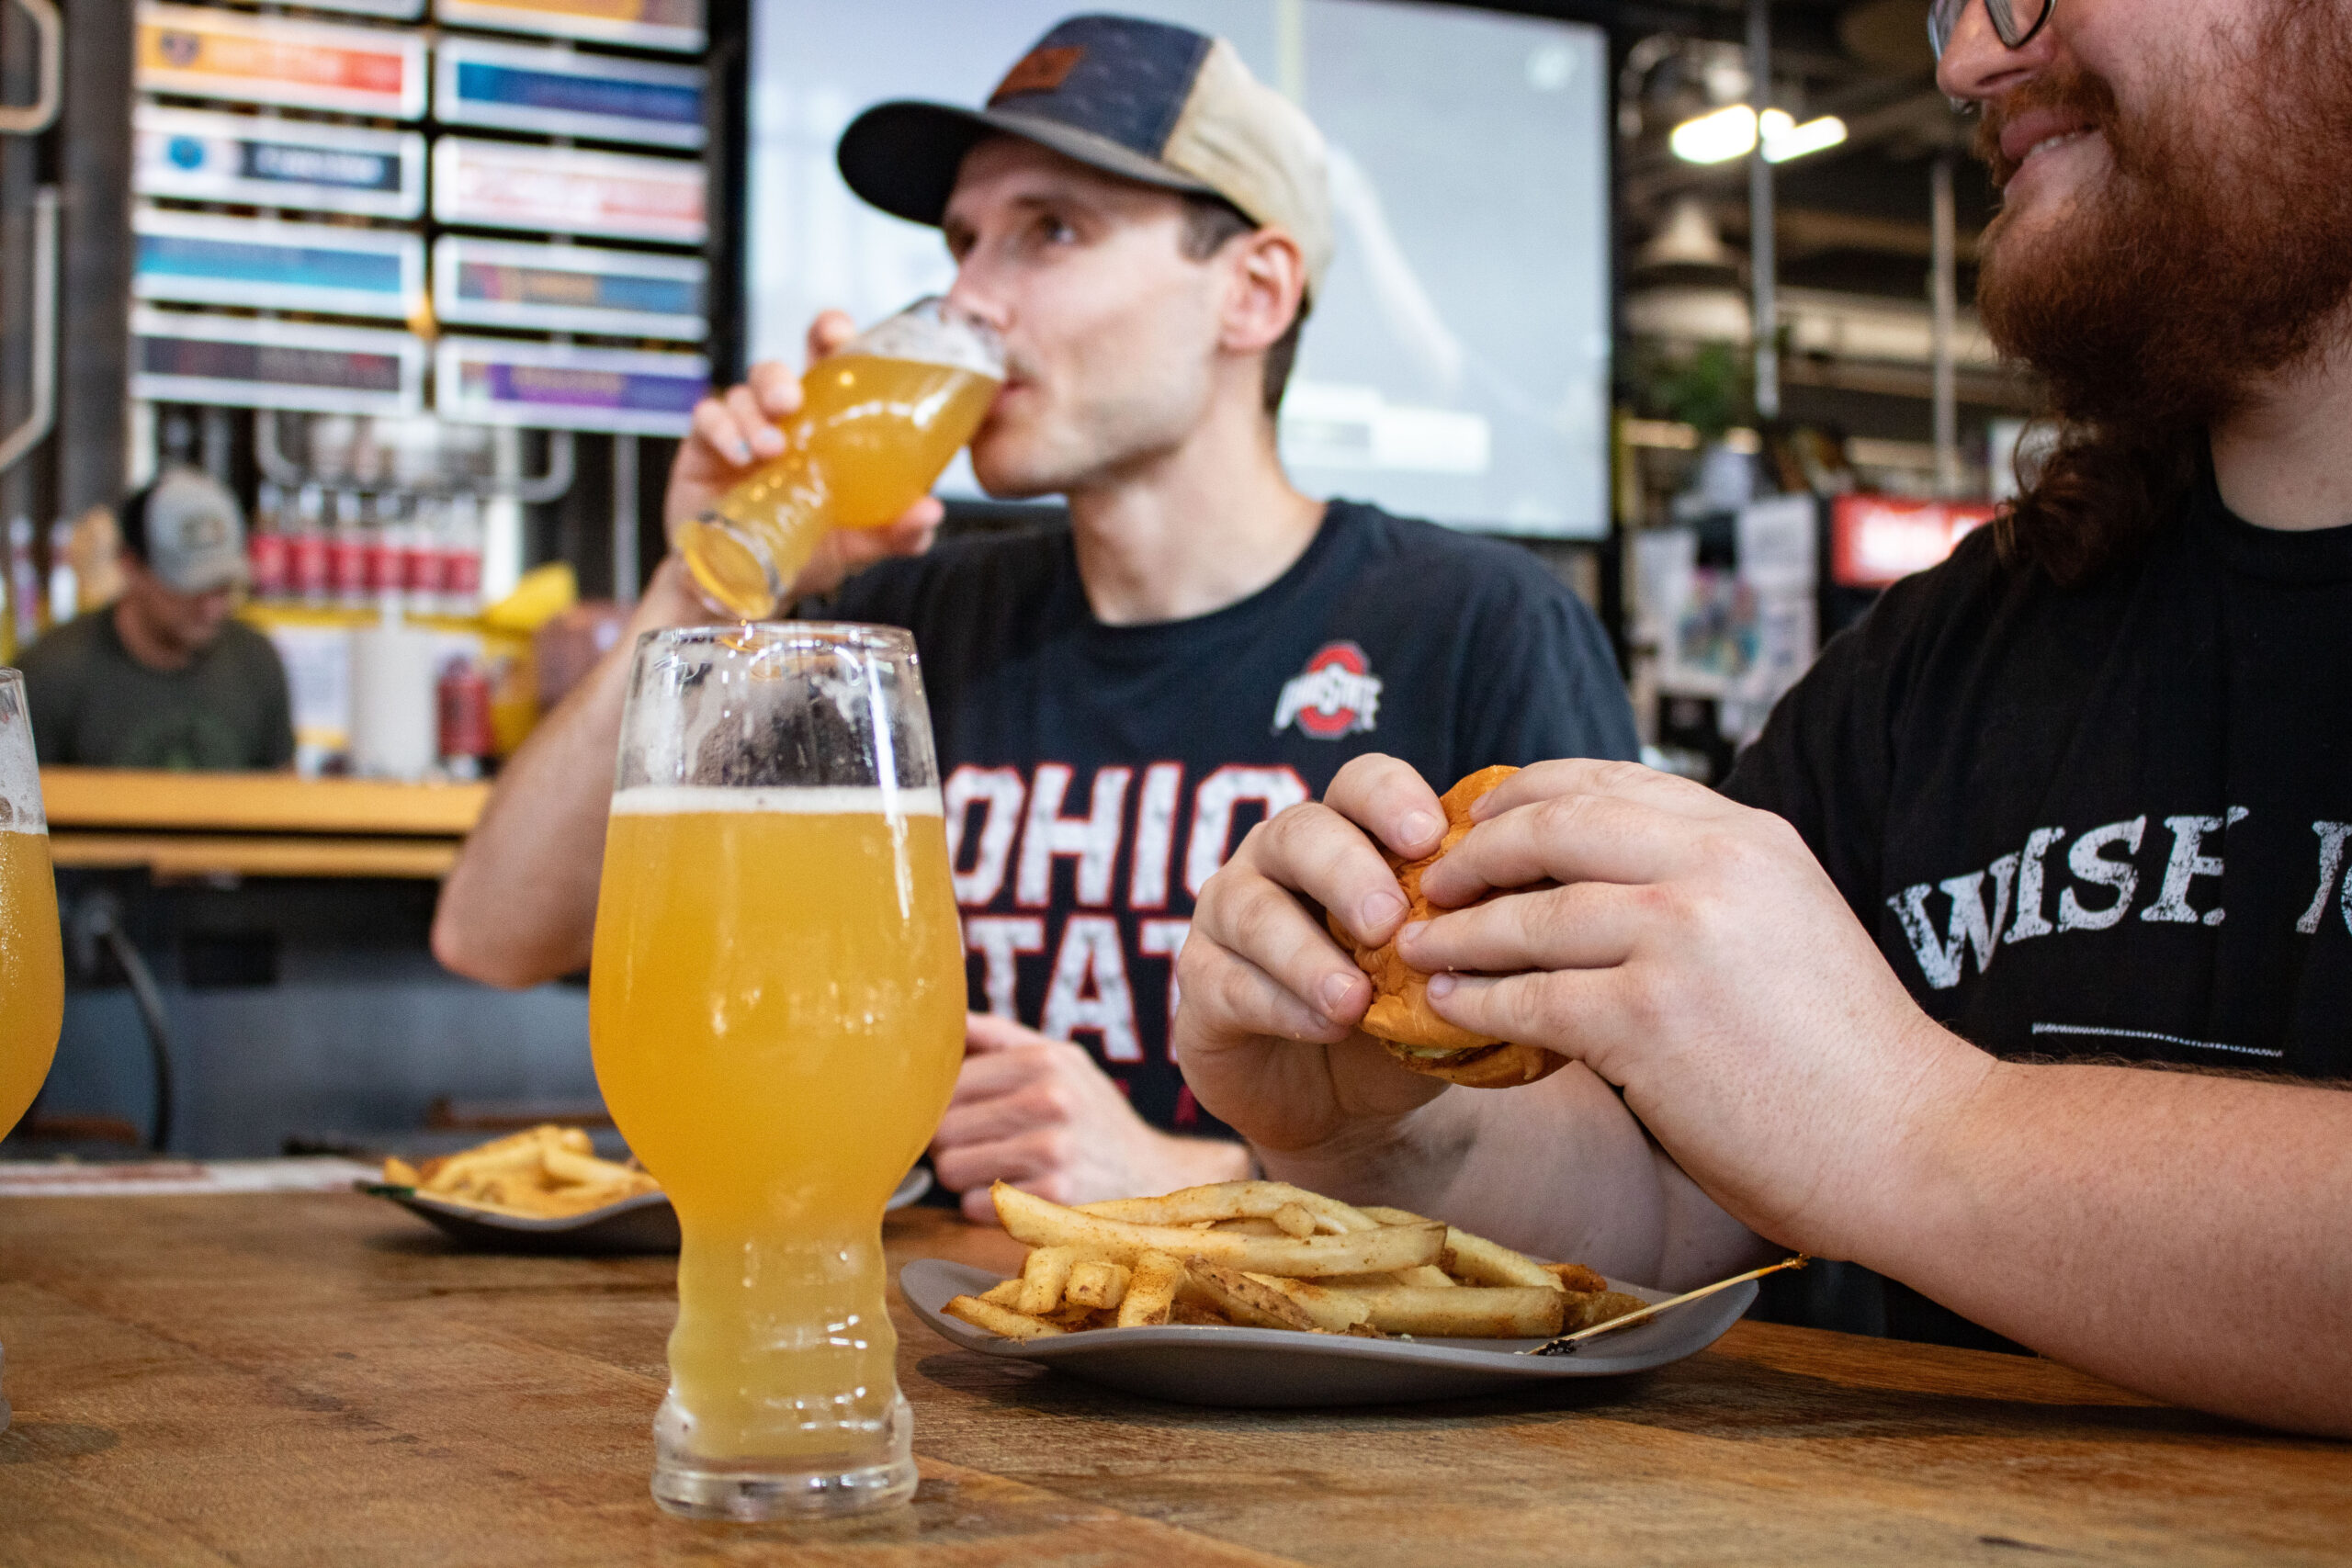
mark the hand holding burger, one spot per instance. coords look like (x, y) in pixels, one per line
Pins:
(1400, 1016)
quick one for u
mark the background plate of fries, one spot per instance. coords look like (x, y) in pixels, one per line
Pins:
(546, 1191)
(1257, 1295)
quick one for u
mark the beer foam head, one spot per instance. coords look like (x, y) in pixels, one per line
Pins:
(686, 800)
(932, 331)
(20, 810)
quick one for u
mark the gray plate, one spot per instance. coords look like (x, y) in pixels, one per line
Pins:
(1269, 1369)
(643, 1224)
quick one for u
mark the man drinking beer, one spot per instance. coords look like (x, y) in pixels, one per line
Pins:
(1117, 702)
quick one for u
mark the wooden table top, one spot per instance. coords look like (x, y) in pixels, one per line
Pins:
(291, 1380)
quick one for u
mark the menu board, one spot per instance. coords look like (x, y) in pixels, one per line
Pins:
(199, 156)
(509, 184)
(208, 53)
(245, 362)
(568, 288)
(286, 266)
(560, 93)
(553, 386)
(648, 24)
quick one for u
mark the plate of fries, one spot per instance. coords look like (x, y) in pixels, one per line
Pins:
(545, 1190)
(1260, 1294)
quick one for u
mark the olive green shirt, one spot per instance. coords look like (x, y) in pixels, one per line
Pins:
(94, 704)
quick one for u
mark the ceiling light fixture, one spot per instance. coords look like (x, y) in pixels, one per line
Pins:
(1730, 132)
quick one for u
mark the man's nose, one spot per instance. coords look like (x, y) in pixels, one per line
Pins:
(972, 291)
(1977, 65)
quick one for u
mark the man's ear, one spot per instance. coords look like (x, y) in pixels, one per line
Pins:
(1268, 284)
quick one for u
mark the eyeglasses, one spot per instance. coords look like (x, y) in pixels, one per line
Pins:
(2014, 21)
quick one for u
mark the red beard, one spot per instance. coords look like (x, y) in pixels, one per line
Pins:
(2219, 249)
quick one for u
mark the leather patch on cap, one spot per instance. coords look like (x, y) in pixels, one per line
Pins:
(1041, 70)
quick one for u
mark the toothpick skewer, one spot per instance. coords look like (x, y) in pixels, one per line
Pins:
(1567, 1344)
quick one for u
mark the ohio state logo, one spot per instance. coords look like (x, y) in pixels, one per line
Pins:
(1337, 694)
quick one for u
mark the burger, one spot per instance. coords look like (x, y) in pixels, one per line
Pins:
(1400, 1017)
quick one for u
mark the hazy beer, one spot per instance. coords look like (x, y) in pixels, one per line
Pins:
(32, 980)
(776, 1007)
(877, 425)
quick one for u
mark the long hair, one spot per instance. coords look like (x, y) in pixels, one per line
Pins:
(2097, 498)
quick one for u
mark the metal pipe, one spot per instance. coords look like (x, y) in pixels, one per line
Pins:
(1762, 266)
(1943, 290)
(43, 417)
(625, 562)
(49, 30)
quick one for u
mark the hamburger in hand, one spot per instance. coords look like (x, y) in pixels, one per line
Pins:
(1400, 1017)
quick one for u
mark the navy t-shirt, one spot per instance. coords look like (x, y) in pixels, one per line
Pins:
(1095, 776)
(2105, 821)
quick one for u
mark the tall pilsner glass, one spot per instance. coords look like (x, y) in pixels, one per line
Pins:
(776, 1005)
(32, 963)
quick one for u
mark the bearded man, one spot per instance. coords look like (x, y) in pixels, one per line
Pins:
(2072, 807)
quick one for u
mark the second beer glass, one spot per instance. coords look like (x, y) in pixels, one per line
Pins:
(776, 1008)
(878, 423)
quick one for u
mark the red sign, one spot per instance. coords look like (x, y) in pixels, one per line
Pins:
(1877, 539)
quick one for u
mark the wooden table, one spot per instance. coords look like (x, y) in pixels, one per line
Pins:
(182, 826)
(309, 1380)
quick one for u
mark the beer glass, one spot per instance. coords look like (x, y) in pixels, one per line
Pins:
(776, 1009)
(878, 422)
(32, 963)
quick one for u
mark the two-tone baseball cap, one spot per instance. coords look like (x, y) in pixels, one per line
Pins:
(195, 531)
(1148, 101)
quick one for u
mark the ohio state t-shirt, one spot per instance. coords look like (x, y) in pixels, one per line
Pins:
(2107, 822)
(1096, 775)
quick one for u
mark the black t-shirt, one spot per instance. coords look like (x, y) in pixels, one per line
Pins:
(2107, 821)
(1095, 776)
(94, 704)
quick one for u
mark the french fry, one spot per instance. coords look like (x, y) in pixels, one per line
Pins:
(1293, 1220)
(1473, 1258)
(1467, 1312)
(564, 1164)
(1249, 1227)
(1151, 1290)
(1000, 1320)
(1599, 1307)
(1429, 1276)
(1029, 1218)
(1095, 1283)
(1333, 1311)
(400, 1173)
(1575, 1278)
(1232, 1200)
(1199, 1313)
(1243, 1299)
(1043, 1279)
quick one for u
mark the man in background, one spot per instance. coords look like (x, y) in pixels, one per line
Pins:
(162, 677)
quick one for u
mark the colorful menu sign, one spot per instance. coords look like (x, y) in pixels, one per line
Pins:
(205, 53)
(509, 184)
(648, 24)
(286, 266)
(245, 362)
(242, 159)
(552, 387)
(568, 288)
(559, 92)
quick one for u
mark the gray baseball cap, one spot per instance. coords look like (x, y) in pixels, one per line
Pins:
(195, 532)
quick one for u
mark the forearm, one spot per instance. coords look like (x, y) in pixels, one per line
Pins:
(2186, 1236)
(1558, 1169)
(520, 904)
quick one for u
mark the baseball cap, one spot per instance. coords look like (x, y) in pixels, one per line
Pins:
(1148, 101)
(189, 530)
